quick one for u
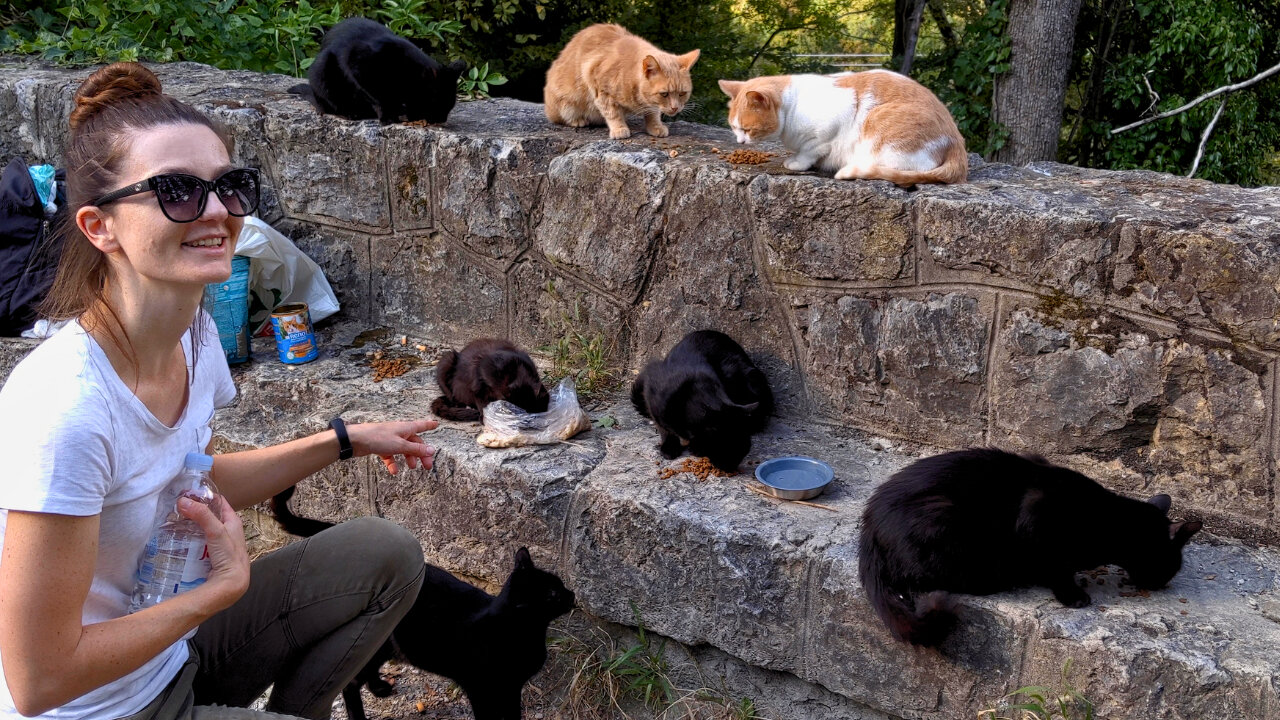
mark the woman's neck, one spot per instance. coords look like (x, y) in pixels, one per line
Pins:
(152, 321)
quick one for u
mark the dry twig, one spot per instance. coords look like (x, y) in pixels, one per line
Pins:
(1211, 94)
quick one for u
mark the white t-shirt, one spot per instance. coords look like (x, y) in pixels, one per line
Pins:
(76, 441)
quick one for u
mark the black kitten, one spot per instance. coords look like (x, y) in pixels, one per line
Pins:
(364, 70)
(981, 521)
(490, 646)
(486, 370)
(706, 395)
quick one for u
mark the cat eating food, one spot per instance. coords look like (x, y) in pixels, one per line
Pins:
(981, 521)
(605, 73)
(364, 71)
(489, 645)
(486, 370)
(873, 125)
(706, 396)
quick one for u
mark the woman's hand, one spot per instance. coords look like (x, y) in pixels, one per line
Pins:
(388, 439)
(228, 556)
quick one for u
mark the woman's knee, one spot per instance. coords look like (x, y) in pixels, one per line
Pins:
(384, 544)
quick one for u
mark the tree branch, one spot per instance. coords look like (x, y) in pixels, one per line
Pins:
(1204, 139)
(1211, 94)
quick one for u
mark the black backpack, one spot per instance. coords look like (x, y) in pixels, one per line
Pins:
(29, 246)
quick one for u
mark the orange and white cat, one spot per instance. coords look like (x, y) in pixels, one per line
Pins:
(605, 73)
(874, 125)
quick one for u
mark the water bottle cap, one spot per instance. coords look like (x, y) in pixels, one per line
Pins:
(199, 461)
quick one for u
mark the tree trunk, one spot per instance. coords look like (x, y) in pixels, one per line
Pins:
(906, 28)
(1028, 99)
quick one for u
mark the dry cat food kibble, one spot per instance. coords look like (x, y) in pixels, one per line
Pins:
(384, 368)
(699, 467)
(748, 157)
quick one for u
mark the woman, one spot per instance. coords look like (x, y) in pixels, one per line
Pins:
(97, 421)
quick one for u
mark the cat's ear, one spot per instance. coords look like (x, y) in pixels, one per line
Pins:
(1181, 532)
(732, 87)
(688, 59)
(650, 67)
(523, 560)
(1161, 501)
(759, 100)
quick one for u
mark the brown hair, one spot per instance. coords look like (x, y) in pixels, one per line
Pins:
(111, 106)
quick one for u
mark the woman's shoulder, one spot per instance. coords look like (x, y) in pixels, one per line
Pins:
(58, 375)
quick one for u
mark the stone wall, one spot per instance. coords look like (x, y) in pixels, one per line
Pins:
(1124, 323)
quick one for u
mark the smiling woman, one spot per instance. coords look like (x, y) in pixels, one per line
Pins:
(96, 422)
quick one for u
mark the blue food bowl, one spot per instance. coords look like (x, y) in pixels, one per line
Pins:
(794, 478)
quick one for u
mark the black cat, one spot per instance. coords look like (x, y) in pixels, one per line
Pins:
(486, 370)
(364, 70)
(490, 646)
(706, 395)
(981, 521)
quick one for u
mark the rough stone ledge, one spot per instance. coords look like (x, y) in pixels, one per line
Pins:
(772, 585)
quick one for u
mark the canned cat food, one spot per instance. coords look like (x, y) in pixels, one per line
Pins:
(295, 340)
(228, 303)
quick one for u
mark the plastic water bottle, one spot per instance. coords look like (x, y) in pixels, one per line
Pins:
(176, 558)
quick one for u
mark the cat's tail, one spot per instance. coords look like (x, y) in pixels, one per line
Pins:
(449, 411)
(292, 524)
(954, 169)
(924, 619)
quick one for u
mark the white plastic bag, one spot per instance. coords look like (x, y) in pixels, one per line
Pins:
(281, 273)
(506, 425)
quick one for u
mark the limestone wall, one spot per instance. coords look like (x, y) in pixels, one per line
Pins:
(1124, 323)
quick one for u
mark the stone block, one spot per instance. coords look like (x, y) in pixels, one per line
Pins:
(35, 102)
(816, 230)
(602, 214)
(548, 307)
(488, 190)
(916, 367)
(345, 259)
(1142, 409)
(427, 284)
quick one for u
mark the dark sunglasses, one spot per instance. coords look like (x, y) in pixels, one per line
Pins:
(182, 197)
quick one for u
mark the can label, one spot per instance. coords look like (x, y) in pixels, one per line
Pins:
(228, 303)
(295, 340)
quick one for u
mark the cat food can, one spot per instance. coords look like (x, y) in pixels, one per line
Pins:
(228, 303)
(295, 340)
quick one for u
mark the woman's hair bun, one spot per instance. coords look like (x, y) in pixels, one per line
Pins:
(110, 86)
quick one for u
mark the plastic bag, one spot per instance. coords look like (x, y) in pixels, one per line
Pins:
(506, 425)
(280, 274)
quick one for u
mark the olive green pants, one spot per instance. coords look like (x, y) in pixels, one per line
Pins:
(315, 613)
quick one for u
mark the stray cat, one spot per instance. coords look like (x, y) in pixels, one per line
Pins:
(490, 646)
(873, 125)
(605, 73)
(706, 395)
(486, 370)
(982, 521)
(364, 70)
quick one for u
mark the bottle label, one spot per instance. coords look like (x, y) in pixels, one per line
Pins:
(196, 568)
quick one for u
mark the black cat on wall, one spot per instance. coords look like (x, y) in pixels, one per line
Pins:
(365, 71)
(707, 397)
(982, 521)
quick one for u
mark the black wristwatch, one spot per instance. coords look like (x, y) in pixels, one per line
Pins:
(344, 443)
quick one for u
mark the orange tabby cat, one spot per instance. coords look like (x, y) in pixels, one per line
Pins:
(875, 125)
(605, 73)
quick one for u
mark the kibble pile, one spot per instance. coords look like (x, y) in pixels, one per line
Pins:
(384, 368)
(699, 467)
(748, 157)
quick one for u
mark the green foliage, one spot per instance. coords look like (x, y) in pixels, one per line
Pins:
(580, 351)
(963, 76)
(1183, 49)
(474, 84)
(261, 35)
(1042, 702)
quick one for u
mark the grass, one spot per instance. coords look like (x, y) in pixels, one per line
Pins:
(603, 678)
(1043, 702)
(581, 352)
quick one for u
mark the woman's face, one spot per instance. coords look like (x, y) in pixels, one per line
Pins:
(149, 245)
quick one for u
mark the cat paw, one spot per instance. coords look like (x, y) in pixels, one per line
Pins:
(796, 165)
(619, 133)
(658, 130)
(846, 173)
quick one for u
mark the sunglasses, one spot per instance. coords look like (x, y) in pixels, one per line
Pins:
(182, 197)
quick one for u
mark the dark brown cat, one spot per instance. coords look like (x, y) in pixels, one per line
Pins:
(486, 370)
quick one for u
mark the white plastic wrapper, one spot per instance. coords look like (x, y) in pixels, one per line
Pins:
(506, 425)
